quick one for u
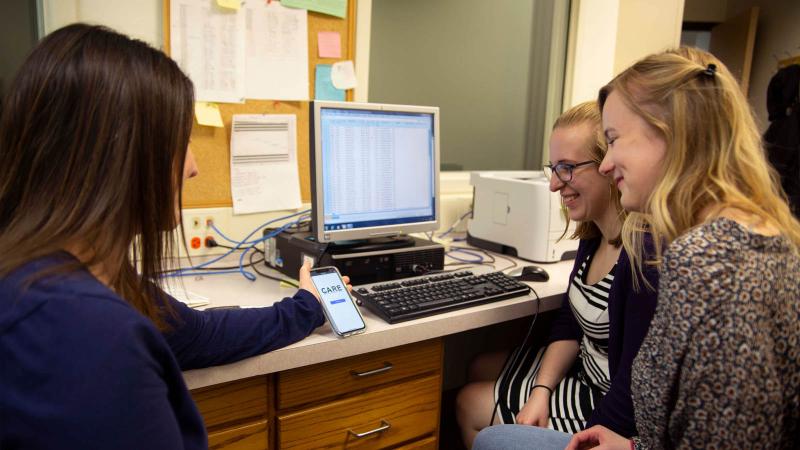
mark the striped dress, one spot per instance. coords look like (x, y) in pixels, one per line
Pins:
(587, 381)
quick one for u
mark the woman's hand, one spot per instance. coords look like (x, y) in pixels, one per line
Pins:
(536, 410)
(305, 282)
(600, 438)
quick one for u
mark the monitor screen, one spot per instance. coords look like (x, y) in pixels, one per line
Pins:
(375, 170)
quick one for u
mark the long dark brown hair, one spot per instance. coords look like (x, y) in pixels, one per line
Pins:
(93, 136)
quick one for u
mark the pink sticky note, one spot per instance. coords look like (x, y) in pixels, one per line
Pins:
(330, 44)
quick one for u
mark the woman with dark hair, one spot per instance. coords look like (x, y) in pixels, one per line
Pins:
(94, 140)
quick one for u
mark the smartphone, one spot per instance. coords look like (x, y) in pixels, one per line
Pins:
(337, 304)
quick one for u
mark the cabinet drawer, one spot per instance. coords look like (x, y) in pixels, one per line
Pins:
(247, 437)
(233, 403)
(428, 443)
(405, 411)
(327, 380)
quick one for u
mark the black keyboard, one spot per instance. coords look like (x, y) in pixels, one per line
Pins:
(399, 301)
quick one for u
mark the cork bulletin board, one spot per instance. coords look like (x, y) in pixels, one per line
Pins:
(211, 146)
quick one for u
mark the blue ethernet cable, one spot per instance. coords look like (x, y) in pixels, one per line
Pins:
(478, 260)
(243, 244)
(234, 241)
(269, 235)
(453, 227)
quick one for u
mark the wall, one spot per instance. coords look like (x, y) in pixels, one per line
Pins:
(470, 58)
(777, 37)
(705, 10)
(17, 37)
(606, 37)
(140, 19)
(363, 24)
(590, 57)
(645, 27)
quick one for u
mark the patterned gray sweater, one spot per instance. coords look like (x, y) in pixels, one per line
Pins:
(720, 366)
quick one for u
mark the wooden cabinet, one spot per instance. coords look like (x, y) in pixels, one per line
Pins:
(389, 398)
(382, 399)
(237, 414)
(247, 437)
(376, 419)
(357, 373)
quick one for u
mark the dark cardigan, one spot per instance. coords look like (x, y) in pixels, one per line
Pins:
(81, 368)
(629, 314)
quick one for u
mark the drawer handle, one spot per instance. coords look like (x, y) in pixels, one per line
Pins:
(384, 426)
(386, 367)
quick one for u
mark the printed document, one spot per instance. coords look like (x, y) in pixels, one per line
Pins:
(277, 51)
(264, 174)
(208, 43)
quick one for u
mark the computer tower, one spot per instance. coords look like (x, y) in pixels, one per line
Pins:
(369, 262)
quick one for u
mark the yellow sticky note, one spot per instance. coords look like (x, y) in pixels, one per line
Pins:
(230, 4)
(208, 114)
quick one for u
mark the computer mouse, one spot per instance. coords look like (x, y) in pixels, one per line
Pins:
(533, 273)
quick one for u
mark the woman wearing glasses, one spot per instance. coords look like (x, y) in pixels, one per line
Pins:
(720, 367)
(581, 373)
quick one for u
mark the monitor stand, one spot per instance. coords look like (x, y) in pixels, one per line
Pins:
(369, 245)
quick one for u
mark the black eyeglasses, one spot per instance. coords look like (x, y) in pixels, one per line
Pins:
(563, 171)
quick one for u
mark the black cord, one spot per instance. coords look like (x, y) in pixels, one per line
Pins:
(265, 275)
(491, 256)
(295, 228)
(488, 255)
(461, 266)
(512, 261)
(250, 264)
(217, 244)
(521, 350)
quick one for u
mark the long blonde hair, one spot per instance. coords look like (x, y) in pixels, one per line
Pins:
(580, 114)
(715, 158)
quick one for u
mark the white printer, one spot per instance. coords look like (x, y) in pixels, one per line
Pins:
(514, 212)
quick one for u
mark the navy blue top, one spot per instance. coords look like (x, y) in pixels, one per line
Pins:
(629, 315)
(80, 368)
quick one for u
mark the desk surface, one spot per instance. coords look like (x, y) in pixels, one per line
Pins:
(322, 345)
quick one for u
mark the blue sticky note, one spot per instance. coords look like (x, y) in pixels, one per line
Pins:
(323, 87)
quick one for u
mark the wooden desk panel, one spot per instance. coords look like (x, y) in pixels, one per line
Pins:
(332, 379)
(233, 403)
(409, 410)
(254, 436)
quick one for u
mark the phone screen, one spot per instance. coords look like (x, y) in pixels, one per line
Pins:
(336, 301)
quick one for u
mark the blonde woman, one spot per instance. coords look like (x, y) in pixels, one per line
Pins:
(719, 367)
(581, 373)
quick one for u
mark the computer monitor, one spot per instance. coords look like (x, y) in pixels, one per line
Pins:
(374, 170)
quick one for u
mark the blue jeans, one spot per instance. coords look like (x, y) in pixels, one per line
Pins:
(518, 437)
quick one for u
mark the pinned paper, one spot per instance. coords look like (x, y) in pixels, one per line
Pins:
(343, 75)
(336, 8)
(277, 52)
(230, 4)
(208, 114)
(324, 88)
(329, 44)
(208, 43)
(264, 174)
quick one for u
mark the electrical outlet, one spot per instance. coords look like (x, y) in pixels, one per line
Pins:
(197, 226)
(456, 200)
